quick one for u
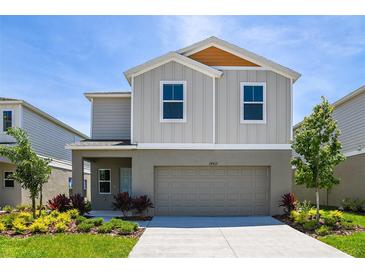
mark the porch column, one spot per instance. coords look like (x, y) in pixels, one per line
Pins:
(77, 172)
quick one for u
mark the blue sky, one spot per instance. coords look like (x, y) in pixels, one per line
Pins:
(50, 61)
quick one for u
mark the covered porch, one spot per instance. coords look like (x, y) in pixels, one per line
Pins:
(111, 173)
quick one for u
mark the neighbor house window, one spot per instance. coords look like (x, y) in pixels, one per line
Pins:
(8, 182)
(173, 101)
(69, 182)
(253, 103)
(104, 181)
(7, 119)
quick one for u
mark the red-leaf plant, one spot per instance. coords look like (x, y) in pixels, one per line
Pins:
(141, 204)
(78, 202)
(60, 202)
(289, 202)
(123, 202)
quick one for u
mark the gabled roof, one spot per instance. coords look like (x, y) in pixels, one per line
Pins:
(171, 56)
(8, 101)
(245, 54)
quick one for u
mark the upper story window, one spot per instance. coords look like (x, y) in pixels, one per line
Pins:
(8, 181)
(253, 103)
(7, 119)
(173, 101)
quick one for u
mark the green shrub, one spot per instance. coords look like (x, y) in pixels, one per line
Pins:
(85, 227)
(323, 230)
(355, 205)
(23, 207)
(19, 226)
(299, 217)
(8, 219)
(347, 225)
(305, 206)
(106, 228)
(63, 217)
(123, 226)
(7, 208)
(95, 221)
(61, 227)
(310, 225)
(26, 216)
(39, 226)
(331, 218)
(2, 227)
(80, 219)
(73, 213)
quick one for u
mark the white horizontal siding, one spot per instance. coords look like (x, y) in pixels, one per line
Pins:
(111, 118)
(350, 117)
(47, 138)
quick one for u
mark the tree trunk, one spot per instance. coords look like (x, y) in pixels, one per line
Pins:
(317, 204)
(40, 200)
(33, 206)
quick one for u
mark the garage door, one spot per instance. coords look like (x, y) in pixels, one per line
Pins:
(212, 191)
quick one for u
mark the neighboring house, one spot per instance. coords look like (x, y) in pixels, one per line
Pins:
(205, 130)
(350, 115)
(48, 137)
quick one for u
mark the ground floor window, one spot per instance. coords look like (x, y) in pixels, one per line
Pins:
(8, 182)
(104, 176)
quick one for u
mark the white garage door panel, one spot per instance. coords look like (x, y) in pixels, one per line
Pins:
(212, 190)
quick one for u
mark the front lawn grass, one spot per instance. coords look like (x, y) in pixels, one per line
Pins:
(353, 245)
(67, 246)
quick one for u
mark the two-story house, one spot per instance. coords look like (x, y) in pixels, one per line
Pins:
(205, 130)
(349, 112)
(48, 137)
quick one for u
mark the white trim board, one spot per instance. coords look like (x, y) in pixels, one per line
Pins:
(187, 146)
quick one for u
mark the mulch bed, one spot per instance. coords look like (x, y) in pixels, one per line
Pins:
(285, 219)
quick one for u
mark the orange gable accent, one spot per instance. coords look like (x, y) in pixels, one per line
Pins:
(213, 56)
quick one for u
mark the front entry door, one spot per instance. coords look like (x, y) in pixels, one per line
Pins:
(125, 184)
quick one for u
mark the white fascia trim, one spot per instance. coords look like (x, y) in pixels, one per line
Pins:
(90, 96)
(214, 110)
(187, 146)
(291, 109)
(239, 68)
(209, 146)
(171, 56)
(132, 92)
(127, 147)
(354, 153)
(91, 117)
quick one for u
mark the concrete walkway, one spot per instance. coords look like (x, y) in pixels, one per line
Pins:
(227, 237)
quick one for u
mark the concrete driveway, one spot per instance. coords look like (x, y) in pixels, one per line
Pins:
(227, 237)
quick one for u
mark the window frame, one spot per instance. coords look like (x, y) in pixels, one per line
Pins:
(162, 119)
(9, 187)
(2, 118)
(110, 181)
(242, 102)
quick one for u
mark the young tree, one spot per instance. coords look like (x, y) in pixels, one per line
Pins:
(316, 142)
(32, 172)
